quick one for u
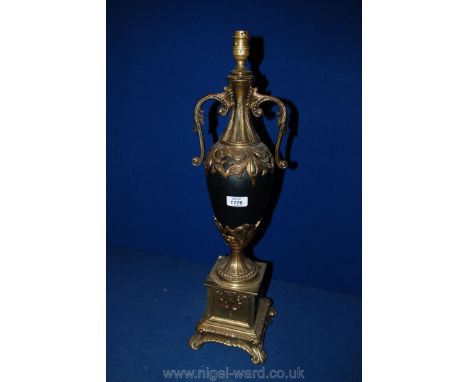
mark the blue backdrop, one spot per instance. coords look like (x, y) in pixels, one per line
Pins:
(165, 55)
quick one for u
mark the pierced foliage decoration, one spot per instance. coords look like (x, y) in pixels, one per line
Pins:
(232, 161)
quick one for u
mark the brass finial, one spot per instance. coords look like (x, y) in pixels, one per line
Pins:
(240, 49)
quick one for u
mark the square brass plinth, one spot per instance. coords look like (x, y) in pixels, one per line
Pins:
(235, 315)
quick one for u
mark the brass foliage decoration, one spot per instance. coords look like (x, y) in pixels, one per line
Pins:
(239, 236)
(230, 299)
(234, 160)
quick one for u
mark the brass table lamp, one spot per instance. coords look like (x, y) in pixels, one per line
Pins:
(239, 172)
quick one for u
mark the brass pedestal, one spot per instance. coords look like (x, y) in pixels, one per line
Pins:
(236, 315)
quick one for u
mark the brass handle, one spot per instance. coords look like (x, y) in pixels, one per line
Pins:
(226, 103)
(256, 100)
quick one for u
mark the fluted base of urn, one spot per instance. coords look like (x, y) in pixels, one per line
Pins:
(237, 268)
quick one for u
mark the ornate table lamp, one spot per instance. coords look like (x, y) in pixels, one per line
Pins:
(239, 172)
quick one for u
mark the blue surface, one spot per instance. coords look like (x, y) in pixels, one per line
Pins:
(165, 55)
(154, 303)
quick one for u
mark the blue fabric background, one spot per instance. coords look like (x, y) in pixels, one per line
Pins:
(165, 55)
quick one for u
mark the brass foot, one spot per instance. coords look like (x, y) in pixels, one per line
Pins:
(255, 350)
